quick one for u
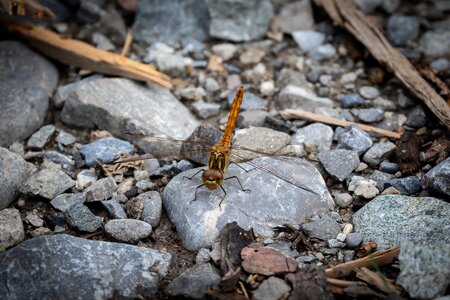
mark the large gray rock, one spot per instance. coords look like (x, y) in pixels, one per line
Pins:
(424, 269)
(274, 199)
(239, 21)
(390, 219)
(47, 183)
(124, 106)
(27, 82)
(92, 269)
(11, 228)
(14, 170)
(438, 178)
(170, 21)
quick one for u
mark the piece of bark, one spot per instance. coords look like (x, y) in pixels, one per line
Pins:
(407, 153)
(233, 239)
(344, 13)
(266, 261)
(83, 55)
(379, 258)
(29, 8)
(306, 115)
(378, 280)
(430, 74)
(311, 284)
(439, 150)
(126, 46)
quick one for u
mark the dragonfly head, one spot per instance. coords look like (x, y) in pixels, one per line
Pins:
(212, 178)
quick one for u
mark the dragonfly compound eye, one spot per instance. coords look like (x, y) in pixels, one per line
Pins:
(212, 178)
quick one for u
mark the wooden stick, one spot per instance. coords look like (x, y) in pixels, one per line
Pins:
(127, 44)
(345, 14)
(378, 280)
(306, 115)
(379, 258)
(83, 55)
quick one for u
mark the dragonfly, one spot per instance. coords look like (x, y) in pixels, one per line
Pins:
(213, 177)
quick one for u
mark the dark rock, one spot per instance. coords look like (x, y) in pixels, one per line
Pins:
(401, 29)
(171, 21)
(438, 178)
(426, 263)
(80, 217)
(387, 220)
(378, 152)
(239, 21)
(194, 282)
(406, 186)
(28, 80)
(114, 209)
(417, 117)
(128, 230)
(64, 201)
(14, 170)
(339, 163)
(110, 270)
(41, 137)
(380, 178)
(370, 115)
(389, 167)
(105, 150)
(47, 183)
(351, 100)
(354, 139)
(11, 228)
(324, 229)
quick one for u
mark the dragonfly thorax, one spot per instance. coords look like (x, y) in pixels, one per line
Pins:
(212, 178)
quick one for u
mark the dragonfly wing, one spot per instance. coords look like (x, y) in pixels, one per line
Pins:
(203, 137)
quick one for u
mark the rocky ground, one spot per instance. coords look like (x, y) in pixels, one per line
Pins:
(71, 218)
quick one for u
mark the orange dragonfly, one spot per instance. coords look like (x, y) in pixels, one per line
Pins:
(219, 156)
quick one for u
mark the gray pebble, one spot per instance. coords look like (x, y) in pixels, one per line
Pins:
(339, 163)
(105, 150)
(343, 200)
(64, 201)
(206, 110)
(34, 219)
(65, 138)
(354, 239)
(351, 100)
(389, 167)
(334, 243)
(128, 230)
(102, 189)
(354, 138)
(41, 137)
(378, 152)
(80, 217)
(152, 207)
(114, 209)
(11, 228)
(406, 186)
(370, 115)
(438, 178)
(417, 117)
(401, 29)
(203, 256)
(305, 258)
(86, 178)
(369, 92)
(324, 229)
(47, 183)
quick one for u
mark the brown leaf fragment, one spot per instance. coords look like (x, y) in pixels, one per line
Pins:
(295, 236)
(407, 153)
(133, 208)
(233, 239)
(378, 280)
(266, 261)
(430, 74)
(29, 8)
(311, 284)
(439, 150)
(366, 249)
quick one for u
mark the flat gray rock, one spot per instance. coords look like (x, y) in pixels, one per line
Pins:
(194, 282)
(271, 288)
(92, 269)
(424, 269)
(354, 138)
(64, 201)
(378, 152)
(80, 217)
(316, 134)
(296, 16)
(47, 183)
(324, 229)
(28, 79)
(100, 190)
(390, 219)
(105, 150)
(41, 137)
(152, 207)
(114, 209)
(171, 21)
(339, 163)
(249, 20)
(274, 199)
(14, 170)
(299, 97)
(438, 178)
(11, 228)
(124, 106)
(128, 230)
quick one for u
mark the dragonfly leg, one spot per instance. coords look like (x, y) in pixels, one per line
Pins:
(240, 184)
(190, 178)
(224, 195)
(196, 190)
(246, 171)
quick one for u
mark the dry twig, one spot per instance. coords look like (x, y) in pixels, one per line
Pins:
(378, 280)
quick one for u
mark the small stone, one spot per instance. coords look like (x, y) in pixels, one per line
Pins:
(401, 29)
(407, 186)
(40, 232)
(47, 183)
(317, 134)
(11, 228)
(58, 158)
(324, 229)
(322, 52)
(102, 42)
(211, 85)
(249, 102)
(64, 201)
(417, 117)
(203, 256)
(391, 191)
(380, 178)
(150, 165)
(114, 209)
(171, 64)
(405, 101)
(354, 239)
(369, 92)
(267, 88)
(80, 217)
(193, 93)
(86, 178)
(308, 40)
(145, 185)
(271, 288)
(306, 258)
(349, 255)
(320, 256)
(233, 82)
(252, 56)
(41, 137)
(349, 77)
(141, 174)
(65, 138)
(351, 100)
(128, 230)
(17, 148)
(343, 200)
(440, 64)
(295, 16)
(225, 51)
(206, 110)
(300, 97)
(105, 150)
(355, 139)
(102, 189)
(330, 251)
(389, 167)
(341, 237)
(152, 207)
(438, 178)
(334, 243)
(348, 228)
(378, 152)
(370, 115)
(34, 220)
(339, 163)
(361, 167)
(384, 104)
(266, 261)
